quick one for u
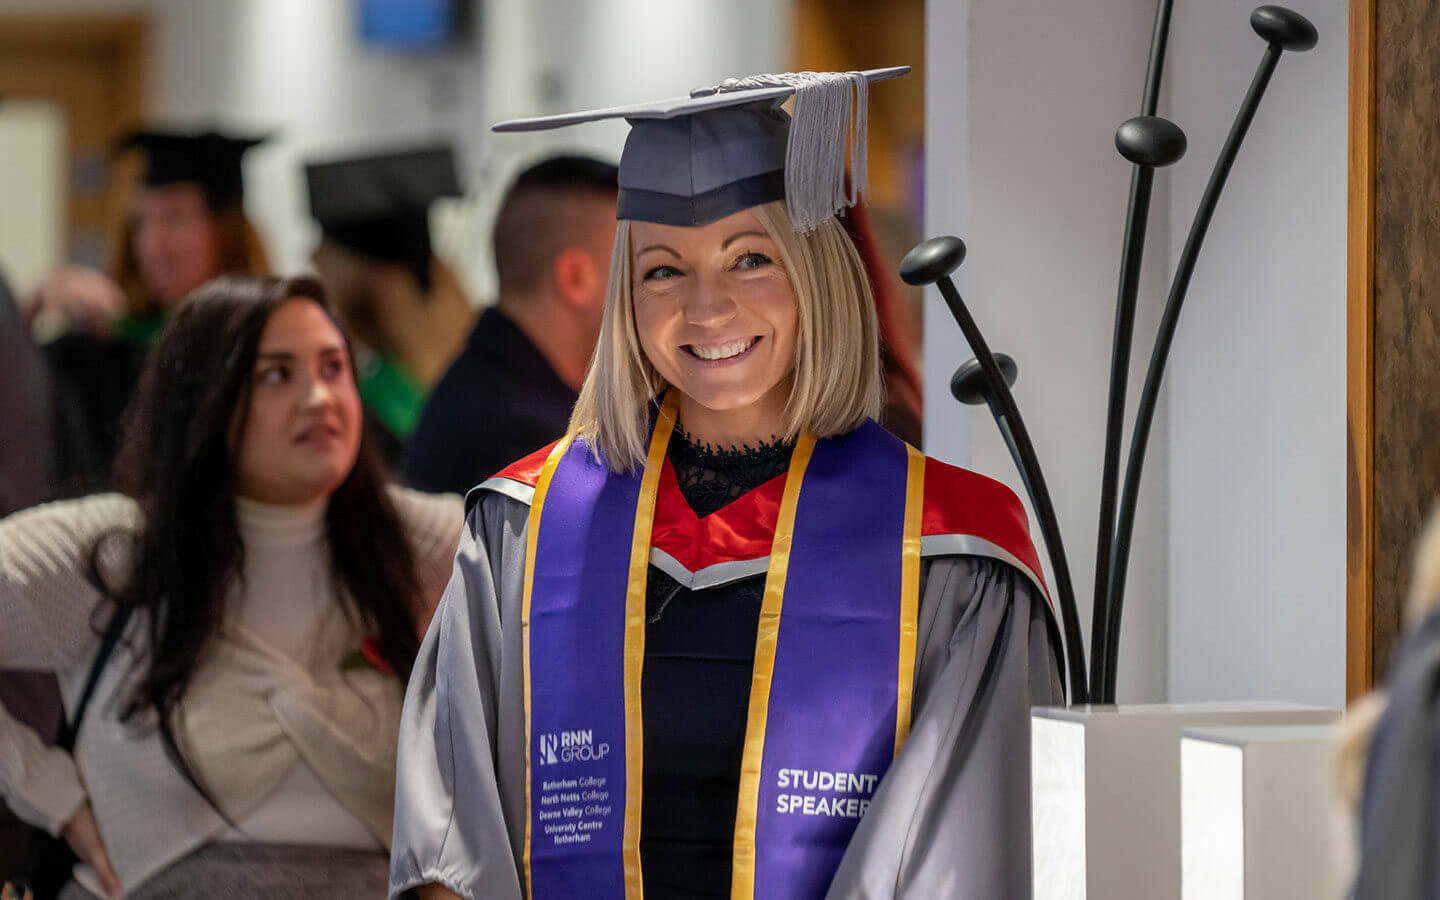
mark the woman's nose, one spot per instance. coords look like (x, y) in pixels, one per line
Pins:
(710, 303)
(318, 393)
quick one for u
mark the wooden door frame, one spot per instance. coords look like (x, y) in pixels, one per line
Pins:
(123, 36)
(1360, 357)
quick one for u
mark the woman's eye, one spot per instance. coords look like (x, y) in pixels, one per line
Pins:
(660, 273)
(752, 261)
(331, 369)
(274, 375)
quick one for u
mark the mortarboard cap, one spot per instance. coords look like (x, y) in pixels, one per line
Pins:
(378, 206)
(693, 160)
(208, 158)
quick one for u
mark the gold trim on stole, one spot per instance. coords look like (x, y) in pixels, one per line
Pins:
(537, 503)
(767, 639)
(909, 591)
(635, 642)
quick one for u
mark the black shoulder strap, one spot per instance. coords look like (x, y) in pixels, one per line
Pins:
(70, 730)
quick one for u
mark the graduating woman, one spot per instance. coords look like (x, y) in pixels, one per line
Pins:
(233, 632)
(729, 638)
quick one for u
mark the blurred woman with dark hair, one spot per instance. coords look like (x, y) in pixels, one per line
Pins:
(259, 590)
(186, 225)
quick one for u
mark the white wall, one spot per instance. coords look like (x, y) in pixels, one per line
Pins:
(1023, 101)
(296, 67)
(1237, 577)
(1257, 386)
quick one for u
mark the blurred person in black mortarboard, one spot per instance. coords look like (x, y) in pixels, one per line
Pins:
(184, 226)
(403, 304)
(511, 390)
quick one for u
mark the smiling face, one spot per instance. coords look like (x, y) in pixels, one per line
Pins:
(717, 317)
(302, 428)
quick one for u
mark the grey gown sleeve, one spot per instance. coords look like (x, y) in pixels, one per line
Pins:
(449, 821)
(952, 816)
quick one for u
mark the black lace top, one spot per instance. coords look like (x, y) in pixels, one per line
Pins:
(695, 690)
(711, 477)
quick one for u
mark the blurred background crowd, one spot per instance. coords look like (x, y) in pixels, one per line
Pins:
(155, 148)
(147, 149)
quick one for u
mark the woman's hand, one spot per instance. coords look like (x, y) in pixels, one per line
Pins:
(80, 296)
(83, 836)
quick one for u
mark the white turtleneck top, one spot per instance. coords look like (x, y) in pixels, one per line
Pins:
(296, 743)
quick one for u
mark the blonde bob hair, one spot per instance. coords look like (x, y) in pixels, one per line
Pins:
(836, 383)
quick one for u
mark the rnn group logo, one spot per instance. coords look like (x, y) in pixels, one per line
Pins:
(571, 746)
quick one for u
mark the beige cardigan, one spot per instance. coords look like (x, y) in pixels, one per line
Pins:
(269, 695)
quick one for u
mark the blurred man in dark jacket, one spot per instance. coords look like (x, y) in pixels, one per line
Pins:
(511, 390)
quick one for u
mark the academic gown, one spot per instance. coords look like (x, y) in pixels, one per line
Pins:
(951, 818)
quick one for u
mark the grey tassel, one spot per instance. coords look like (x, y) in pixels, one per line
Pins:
(830, 118)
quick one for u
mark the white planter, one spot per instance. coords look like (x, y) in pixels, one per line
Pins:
(1258, 818)
(1105, 806)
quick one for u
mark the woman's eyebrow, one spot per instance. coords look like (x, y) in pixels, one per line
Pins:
(326, 350)
(739, 234)
(668, 250)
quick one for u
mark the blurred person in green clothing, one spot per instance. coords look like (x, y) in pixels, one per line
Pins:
(404, 307)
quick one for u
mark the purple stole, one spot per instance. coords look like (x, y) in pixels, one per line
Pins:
(830, 698)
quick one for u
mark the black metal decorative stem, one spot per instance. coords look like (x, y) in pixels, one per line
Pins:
(1159, 39)
(1137, 216)
(1035, 482)
(970, 386)
(932, 262)
(1148, 142)
(1283, 30)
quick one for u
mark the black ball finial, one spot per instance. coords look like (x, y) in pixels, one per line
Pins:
(968, 383)
(932, 260)
(1286, 27)
(1150, 141)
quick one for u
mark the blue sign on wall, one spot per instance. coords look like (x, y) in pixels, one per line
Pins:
(414, 24)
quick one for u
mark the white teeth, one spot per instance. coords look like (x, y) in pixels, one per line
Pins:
(722, 351)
